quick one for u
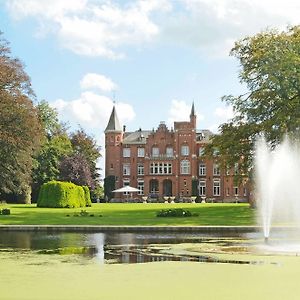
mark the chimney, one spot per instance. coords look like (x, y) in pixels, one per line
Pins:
(124, 128)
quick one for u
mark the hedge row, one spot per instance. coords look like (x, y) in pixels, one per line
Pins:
(63, 194)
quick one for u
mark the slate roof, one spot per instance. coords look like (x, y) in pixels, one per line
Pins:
(136, 137)
(203, 135)
(113, 123)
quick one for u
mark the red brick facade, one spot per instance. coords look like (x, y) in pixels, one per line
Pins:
(167, 162)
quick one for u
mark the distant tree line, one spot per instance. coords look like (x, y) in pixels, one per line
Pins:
(35, 147)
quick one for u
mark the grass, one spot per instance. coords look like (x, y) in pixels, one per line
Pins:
(130, 214)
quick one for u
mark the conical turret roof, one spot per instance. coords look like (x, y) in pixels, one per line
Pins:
(193, 110)
(113, 123)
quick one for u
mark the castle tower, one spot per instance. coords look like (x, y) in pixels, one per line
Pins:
(113, 139)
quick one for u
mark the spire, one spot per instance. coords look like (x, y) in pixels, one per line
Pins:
(113, 123)
(193, 110)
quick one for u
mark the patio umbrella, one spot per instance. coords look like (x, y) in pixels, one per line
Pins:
(125, 189)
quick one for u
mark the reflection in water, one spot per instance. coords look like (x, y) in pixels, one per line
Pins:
(125, 247)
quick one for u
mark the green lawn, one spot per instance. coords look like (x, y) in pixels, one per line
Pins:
(130, 214)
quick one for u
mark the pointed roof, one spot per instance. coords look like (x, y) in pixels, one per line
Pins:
(113, 123)
(193, 110)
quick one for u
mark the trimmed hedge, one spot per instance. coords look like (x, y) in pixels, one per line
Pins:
(87, 195)
(63, 194)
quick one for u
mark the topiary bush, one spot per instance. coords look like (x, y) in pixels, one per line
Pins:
(61, 194)
(87, 196)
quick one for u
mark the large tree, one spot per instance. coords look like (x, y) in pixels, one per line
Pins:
(85, 145)
(75, 168)
(270, 68)
(19, 124)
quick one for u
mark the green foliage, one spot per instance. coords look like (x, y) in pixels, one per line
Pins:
(49, 119)
(86, 146)
(19, 124)
(5, 211)
(109, 186)
(87, 195)
(98, 192)
(270, 68)
(47, 161)
(61, 194)
(175, 212)
(83, 213)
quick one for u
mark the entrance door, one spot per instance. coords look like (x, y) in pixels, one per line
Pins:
(167, 187)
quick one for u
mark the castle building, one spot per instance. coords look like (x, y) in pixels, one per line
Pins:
(167, 162)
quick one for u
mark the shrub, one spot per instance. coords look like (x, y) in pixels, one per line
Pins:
(87, 196)
(61, 194)
(176, 212)
(5, 211)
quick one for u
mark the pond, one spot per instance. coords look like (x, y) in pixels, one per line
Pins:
(110, 265)
(112, 248)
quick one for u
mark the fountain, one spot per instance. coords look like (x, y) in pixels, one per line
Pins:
(278, 185)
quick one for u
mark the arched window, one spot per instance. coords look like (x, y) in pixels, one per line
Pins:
(185, 167)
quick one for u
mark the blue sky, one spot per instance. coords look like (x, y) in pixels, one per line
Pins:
(154, 57)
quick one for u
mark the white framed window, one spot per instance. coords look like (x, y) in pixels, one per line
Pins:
(126, 152)
(161, 168)
(185, 167)
(169, 152)
(141, 152)
(185, 150)
(202, 188)
(126, 169)
(236, 190)
(140, 169)
(155, 151)
(126, 182)
(216, 170)
(201, 151)
(245, 192)
(202, 169)
(216, 187)
(140, 186)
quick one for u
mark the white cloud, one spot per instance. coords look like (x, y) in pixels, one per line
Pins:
(105, 27)
(93, 28)
(180, 111)
(224, 113)
(101, 82)
(92, 110)
(214, 25)
(52, 10)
